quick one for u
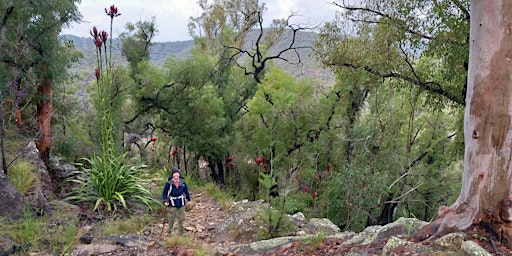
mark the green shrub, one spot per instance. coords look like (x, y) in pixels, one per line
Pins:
(276, 223)
(111, 182)
(297, 202)
(22, 176)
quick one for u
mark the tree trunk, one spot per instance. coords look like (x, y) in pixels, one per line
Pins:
(44, 114)
(487, 178)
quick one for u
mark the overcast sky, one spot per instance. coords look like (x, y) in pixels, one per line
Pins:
(172, 15)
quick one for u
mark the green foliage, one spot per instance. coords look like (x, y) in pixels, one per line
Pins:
(298, 202)
(188, 243)
(22, 176)
(396, 150)
(391, 37)
(55, 233)
(190, 108)
(218, 195)
(275, 223)
(136, 42)
(275, 220)
(109, 183)
(133, 225)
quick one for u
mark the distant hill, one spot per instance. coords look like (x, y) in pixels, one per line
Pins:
(161, 51)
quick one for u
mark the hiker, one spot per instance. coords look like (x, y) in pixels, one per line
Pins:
(175, 191)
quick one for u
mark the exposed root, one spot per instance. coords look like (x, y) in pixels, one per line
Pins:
(449, 221)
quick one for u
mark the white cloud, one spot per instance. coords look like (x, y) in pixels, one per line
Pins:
(172, 15)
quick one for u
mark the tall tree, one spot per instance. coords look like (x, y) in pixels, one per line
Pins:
(33, 55)
(486, 195)
(32, 62)
(136, 43)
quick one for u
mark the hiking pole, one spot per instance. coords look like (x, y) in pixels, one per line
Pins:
(163, 223)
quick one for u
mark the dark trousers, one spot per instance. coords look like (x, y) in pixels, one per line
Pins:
(172, 212)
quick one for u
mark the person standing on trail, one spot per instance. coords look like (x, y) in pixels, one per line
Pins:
(175, 191)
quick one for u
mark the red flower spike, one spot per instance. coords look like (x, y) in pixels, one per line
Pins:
(173, 152)
(265, 167)
(104, 36)
(112, 12)
(315, 194)
(260, 160)
(97, 72)
(154, 139)
(94, 32)
(305, 188)
(98, 42)
(328, 167)
(229, 159)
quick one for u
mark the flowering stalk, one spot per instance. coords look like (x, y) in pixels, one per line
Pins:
(104, 81)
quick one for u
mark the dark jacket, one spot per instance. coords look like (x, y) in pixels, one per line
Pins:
(175, 194)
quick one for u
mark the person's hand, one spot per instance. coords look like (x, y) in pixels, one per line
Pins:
(189, 203)
(166, 204)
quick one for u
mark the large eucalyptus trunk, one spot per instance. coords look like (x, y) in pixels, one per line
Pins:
(486, 194)
(44, 115)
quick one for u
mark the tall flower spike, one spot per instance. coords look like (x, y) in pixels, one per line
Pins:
(98, 42)
(104, 36)
(94, 32)
(97, 71)
(112, 12)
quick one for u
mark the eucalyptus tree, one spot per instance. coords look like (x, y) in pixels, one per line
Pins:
(33, 57)
(485, 197)
(33, 62)
(189, 108)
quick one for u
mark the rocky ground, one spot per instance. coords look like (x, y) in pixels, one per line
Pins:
(207, 214)
(206, 224)
(199, 221)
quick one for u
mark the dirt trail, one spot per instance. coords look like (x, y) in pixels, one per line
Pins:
(200, 220)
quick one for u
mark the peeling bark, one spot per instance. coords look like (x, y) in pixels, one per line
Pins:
(44, 113)
(487, 177)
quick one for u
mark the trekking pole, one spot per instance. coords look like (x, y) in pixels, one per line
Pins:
(163, 223)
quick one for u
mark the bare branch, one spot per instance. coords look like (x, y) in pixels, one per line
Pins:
(398, 23)
(430, 86)
(256, 55)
